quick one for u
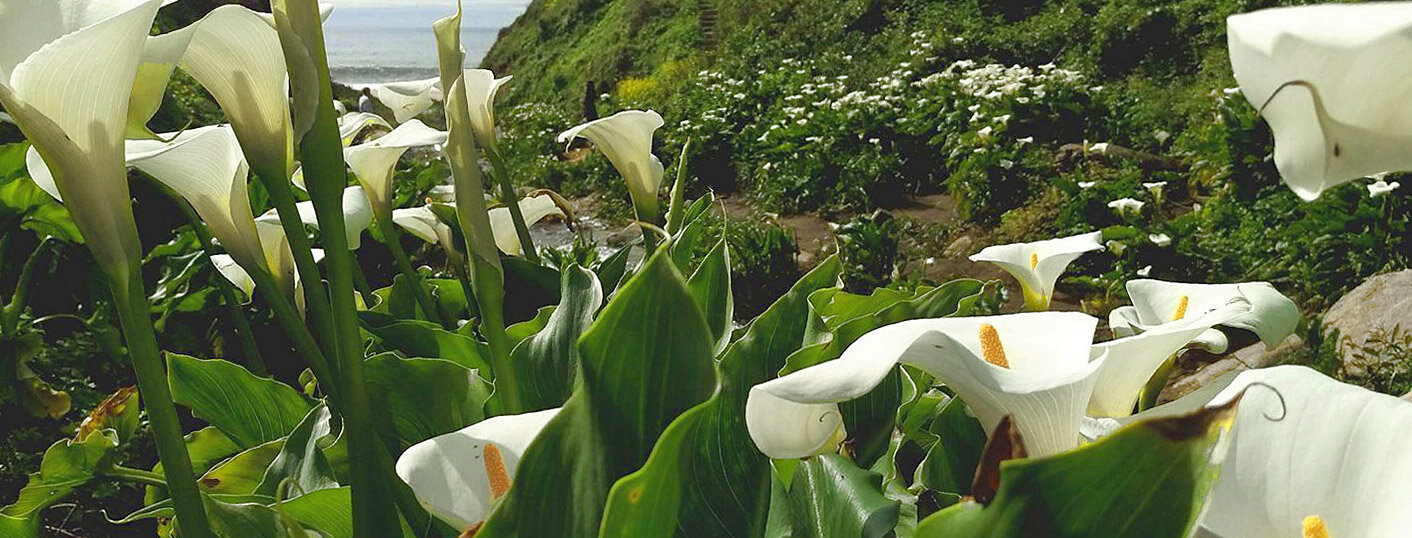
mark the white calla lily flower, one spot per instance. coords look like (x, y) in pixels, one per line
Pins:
(1309, 452)
(1381, 187)
(423, 223)
(373, 162)
(481, 88)
(1035, 367)
(1038, 265)
(1126, 205)
(534, 208)
(1272, 316)
(1133, 360)
(206, 167)
(408, 99)
(357, 215)
(353, 124)
(1331, 81)
(235, 54)
(66, 74)
(626, 139)
(459, 476)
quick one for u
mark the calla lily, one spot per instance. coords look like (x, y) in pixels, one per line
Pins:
(626, 139)
(205, 166)
(1133, 360)
(1035, 367)
(235, 54)
(373, 162)
(459, 476)
(408, 99)
(276, 257)
(1126, 205)
(534, 208)
(1331, 82)
(1160, 240)
(352, 125)
(1272, 316)
(1309, 452)
(1381, 187)
(422, 222)
(357, 215)
(481, 87)
(66, 74)
(1038, 265)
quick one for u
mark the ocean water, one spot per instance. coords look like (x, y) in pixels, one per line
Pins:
(371, 43)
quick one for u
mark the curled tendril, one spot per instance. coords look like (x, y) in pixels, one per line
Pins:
(1284, 409)
(656, 229)
(1303, 83)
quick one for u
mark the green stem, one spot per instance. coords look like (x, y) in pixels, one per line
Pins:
(136, 475)
(512, 202)
(321, 152)
(360, 282)
(134, 313)
(289, 318)
(249, 350)
(315, 298)
(392, 235)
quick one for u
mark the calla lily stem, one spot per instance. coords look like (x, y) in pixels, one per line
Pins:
(321, 152)
(139, 476)
(11, 315)
(249, 350)
(512, 202)
(134, 313)
(293, 323)
(392, 235)
(278, 185)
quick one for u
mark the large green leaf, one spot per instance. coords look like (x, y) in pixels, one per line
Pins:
(66, 465)
(425, 397)
(251, 410)
(551, 356)
(329, 511)
(722, 481)
(831, 496)
(301, 460)
(424, 339)
(644, 361)
(206, 447)
(241, 474)
(231, 516)
(711, 287)
(1146, 480)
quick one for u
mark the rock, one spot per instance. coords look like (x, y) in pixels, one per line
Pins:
(960, 248)
(1376, 308)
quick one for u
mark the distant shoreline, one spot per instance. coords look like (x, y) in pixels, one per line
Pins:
(373, 44)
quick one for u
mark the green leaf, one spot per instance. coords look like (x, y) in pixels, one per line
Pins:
(242, 473)
(66, 465)
(1148, 479)
(251, 410)
(952, 457)
(610, 272)
(329, 511)
(424, 397)
(552, 355)
(416, 338)
(723, 482)
(711, 287)
(206, 447)
(831, 496)
(301, 459)
(519, 332)
(644, 361)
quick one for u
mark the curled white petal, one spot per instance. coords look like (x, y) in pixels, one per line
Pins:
(534, 209)
(408, 99)
(1038, 265)
(626, 139)
(448, 473)
(374, 162)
